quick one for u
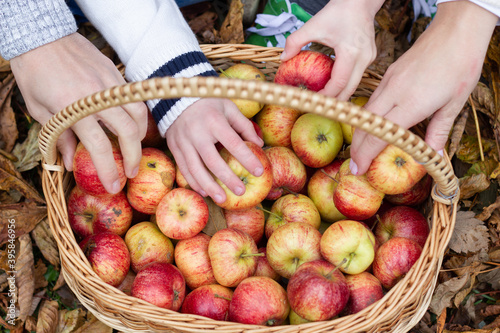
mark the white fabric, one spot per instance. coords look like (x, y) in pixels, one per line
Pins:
(276, 26)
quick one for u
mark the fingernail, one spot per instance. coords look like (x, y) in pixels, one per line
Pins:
(218, 198)
(258, 171)
(116, 187)
(239, 191)
(353, 167)
(135, 172)
(203, 193)
(440, 152)
(283, 55)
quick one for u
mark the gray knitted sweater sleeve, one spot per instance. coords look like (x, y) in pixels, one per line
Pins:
(28, 24)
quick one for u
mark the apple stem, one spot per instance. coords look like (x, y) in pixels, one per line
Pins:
(225, 74)
(269, 212)
(351, 256)
(260, 254)
(377, 220)
(219, 296)
(87, 216)
(332, 178)
(329, 275)
(290, 191)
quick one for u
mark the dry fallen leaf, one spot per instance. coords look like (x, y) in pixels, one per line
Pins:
(4, 65)
(386, 43)
(38, 273)
(37, 298)
(30, 324)
(486, 213)
(231, 31)
(216, 219)
(8, 125)
(70, 320)
(93, 325)
(28, 154)
(458, 132)
(471, 185)
(470, 234)
(48, 317)
(445, 292)
(42, 235)
(25, 276)
(491, 277)
(24, 216)
(483, 97)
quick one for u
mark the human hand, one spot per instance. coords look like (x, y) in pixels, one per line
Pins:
(192, 138)
(55, 75)
(347, 27)
(433, 78)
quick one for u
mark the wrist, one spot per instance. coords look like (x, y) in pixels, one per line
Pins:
(370, 6)
(467, 17)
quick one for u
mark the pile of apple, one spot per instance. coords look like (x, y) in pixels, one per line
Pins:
(307, 241)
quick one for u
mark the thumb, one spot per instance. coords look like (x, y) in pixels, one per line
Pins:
(294, 43)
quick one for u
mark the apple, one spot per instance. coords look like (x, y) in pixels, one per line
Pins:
(155, 178)
(251, 221)
(259, 300)
(153, 137)
(85, 172)
(348, 244)
(415, 195)
(179, 178)
(394, 259)
(372, 221)
(126, 285)
(88, 215)
(320, 189)
(181, 213)
(210, 301)
(394, 171)
(289, 173)
(264, 268)
(316, 139)
(292, 208)
(108, 256)
(233, 255)
(308, 70)
(147, 244)
(364, 290)
(402, 221)
(276, 123)
(161, 284)
(317, 291)
(245, 72)
(348, 130)
(257, 129)
(192, 259)
(295, 319)
(292, 245)
(256, 188)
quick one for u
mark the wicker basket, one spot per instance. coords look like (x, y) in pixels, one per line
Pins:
(399, 310)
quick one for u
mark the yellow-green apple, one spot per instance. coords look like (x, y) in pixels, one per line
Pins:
(320, 189)
(394, 171)
(181, 213)
(276, 123)
(316, 139)
(292, 208)
(85, 172)
(192, 259)
(354, 196)
(245, 72)
(147, 244)
(108, 256)
(289, 173)
(317, 291)
(251, 221)
(88, 215)
(126, 285)
(348, 244)
(263, 267)
(153, 137)
(307, 70)
(210, 301)
(394, 259)
(256, 188)
(179, 178)
(364, 290)
(402, 221)
(160, 284)
(414, 196)
(292, 245)
(155, 178)
(259, 300)
(233, 255)
(348, 130)
(295, 319)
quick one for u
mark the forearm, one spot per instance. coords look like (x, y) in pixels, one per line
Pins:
(493, 6)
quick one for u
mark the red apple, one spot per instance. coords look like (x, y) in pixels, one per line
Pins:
(308, 70)
(316, 139)
(210, 301)
(402, 221)
(147, 244)
(276, 123)
(257, 129)
(160, 284)
(108, 256)
(182, 213)
(85, 172)
(394, 259)
(259, 300)
(414, 196)
(251, 221)
(289, 209)
(153, 137)
(256, 188)
(89, 215)
(155, 179)
(292, 245)
(233, 255)
(394, 171)
(364, 290)
(264, 268)
(289, 173)
(317, 291)
(192, 259)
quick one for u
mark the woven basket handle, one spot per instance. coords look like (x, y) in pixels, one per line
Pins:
(445, 191)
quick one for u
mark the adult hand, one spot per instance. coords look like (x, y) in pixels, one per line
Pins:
(433, 78)
(55, 75)
(347, 27)
(192, 138)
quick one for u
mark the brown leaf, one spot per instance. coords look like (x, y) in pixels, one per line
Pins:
(3, 281)
(9, 182)
(8, 126)
(458, 132)
(491, 277)
(468, 150)
(60, 282)
(37, 297)
(441, 321)
(203, 22)
(39, 271)
(93, 325)
(4, 65)
(490, 310)
(28, 154)
(494, 254)
(216, 219)
(70, 320)
(24, 216)
(493, 326)
(42, 235)
(470, 185)
(486, 213)
(231, 31)
(483, 97)
(470, 234)
(445, 292)
(48, 317)
(386, 43)
(25, 276)
(30, 324)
